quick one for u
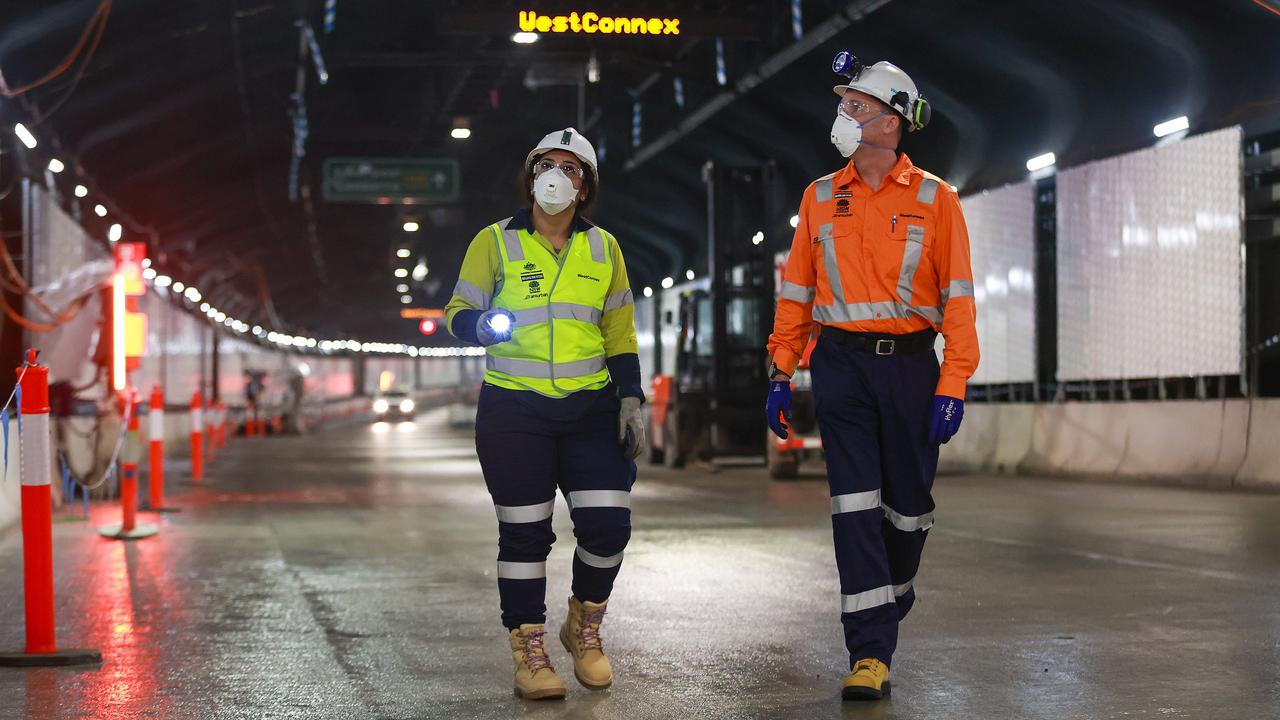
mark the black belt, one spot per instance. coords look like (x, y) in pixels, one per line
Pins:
(882, 343)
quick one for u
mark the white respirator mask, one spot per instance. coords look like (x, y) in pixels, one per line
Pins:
(846, 133)
(554, 191)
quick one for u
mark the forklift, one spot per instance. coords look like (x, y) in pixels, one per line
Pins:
(707, 356)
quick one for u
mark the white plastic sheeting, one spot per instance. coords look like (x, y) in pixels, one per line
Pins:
(1149, 262)
(1001, 226)
(61, 248)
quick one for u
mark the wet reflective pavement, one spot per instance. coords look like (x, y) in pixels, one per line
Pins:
(350, 574)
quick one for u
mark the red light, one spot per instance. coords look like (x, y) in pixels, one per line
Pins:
(427, 326)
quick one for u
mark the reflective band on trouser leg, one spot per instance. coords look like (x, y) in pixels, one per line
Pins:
(900, 590)
(525, 513)
(908, 523)
(596, 561)
(580, 499)
(867, 599)
(522, 570)
(855, 502)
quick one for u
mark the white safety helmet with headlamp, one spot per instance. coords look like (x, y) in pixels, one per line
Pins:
(567, 139)
(885, 82)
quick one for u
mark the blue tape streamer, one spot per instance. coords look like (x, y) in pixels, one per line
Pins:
(17, 406)
(68, 487)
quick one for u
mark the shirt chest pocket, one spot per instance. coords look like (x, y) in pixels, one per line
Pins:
(908, 262)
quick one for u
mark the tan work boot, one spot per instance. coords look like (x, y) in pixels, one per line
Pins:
(581, 637)
(869, 680)
(535, 678)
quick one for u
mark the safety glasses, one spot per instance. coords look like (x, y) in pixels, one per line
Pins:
(569, 169)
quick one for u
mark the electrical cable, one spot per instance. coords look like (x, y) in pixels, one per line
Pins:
(43, 115)
(1266, 6)
(103, 8)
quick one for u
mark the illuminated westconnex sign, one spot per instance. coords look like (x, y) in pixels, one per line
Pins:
(590, 23)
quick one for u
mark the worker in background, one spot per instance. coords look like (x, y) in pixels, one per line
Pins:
(880, 261)
(546, 292)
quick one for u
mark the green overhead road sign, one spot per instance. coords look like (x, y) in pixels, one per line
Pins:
(391, 181)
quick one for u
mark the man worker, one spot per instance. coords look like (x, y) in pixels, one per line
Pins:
(880, 261)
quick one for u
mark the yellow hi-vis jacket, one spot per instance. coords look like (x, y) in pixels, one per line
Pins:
(557, 345)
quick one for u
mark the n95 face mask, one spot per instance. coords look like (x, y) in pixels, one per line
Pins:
(553, 191)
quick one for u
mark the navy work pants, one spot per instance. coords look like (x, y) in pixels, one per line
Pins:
(873, 412)
(529, 445)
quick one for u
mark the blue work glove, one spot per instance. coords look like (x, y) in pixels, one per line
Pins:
(495, 326)
(777, 407)
(947, 414)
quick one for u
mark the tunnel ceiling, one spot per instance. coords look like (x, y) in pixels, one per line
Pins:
(181, 118)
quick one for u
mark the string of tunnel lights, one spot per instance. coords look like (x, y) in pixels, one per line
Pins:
(1038, 166)
(169, 286)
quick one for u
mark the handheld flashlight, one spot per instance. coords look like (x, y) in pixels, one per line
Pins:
(500, 323)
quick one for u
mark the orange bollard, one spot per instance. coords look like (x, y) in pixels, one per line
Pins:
(155, 466)
(197, 437)
(129, 528)
(37, 529)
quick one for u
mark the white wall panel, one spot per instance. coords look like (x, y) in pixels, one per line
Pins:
(1149, 262)
(1001, 226)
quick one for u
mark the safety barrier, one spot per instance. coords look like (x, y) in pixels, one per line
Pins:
(37, 527)
(1222, 443)
(129, 528)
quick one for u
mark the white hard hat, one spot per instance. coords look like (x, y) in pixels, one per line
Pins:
(567, 139)
(889, 84)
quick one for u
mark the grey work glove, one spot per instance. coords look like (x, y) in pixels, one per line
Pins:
(631, 427)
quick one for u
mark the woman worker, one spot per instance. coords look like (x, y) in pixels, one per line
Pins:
(546, 292)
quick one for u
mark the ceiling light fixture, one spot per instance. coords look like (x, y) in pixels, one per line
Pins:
(1169, 127)
(25, 136)
(1041, 162)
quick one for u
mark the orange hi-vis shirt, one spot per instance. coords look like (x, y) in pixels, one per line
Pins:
(895, 260)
